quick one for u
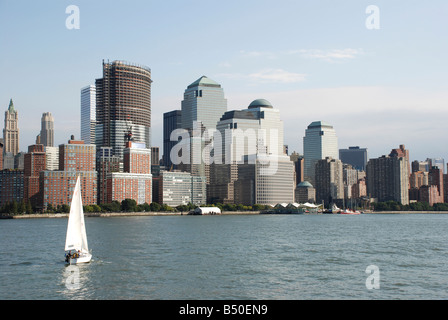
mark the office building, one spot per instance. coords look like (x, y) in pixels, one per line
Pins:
(320, 141)
(47, 130)
(123, 104)
(88, 114)
(171, 121)
(252, 134)
(11, 130)
(355, 156)
(180, 188)
(265, 180)
(203, 102)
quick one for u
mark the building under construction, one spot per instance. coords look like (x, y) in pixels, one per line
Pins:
(123, 105)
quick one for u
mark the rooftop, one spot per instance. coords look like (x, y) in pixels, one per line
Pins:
(204, 81)
(317, 124)
(260, 103)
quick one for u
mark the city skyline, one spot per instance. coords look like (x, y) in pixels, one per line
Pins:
(314, 62)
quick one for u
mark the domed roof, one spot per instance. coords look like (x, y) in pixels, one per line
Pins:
(260, 103)
(304, 184)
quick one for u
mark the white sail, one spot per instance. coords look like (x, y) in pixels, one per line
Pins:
(76, 230)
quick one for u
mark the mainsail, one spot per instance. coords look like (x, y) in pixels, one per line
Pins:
(76, 230)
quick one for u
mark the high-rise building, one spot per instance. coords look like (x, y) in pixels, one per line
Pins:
(34, 164)
(203, 102)
(11, 130)
(75, 159)
(136, 180)
(11, 186)
(299, 162)
(329, 181)
(171, 121)
(51, 158)
(436, 179)
(436, 162)
(260, 183)
(123, 104)
(388, 179)
(106, 162)
(250, 165)
(320, 141)
(88, 114)
(47, 130)
(355, 156)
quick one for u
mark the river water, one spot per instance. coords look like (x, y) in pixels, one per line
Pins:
(247, 257)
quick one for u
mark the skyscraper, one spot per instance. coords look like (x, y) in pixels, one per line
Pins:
(203, 101)
(320, 141)
(123, 104)
(47, 130)
(171, 121)
(250, 166)
(355, 156)
(329, 181)
(388, 179)
(88, 114)
(11, 130)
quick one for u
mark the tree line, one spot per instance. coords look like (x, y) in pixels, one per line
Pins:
(127, 205)
(414, 206)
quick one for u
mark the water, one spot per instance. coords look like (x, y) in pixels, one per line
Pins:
(292, 257)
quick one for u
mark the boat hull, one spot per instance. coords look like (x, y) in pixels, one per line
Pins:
(82, 259)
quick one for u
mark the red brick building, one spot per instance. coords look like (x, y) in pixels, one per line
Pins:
(75, 159)
(136, 180)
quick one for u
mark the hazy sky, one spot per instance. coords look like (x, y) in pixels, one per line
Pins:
(313, 60)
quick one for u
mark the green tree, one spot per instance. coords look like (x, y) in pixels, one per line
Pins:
(128, 205)
(154, 207)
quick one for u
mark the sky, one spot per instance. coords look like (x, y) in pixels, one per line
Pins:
(313, 60)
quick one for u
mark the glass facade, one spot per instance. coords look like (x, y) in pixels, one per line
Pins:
(203, 102)
(320, 141)
(88, 114)
(123, 104)
(171, 121)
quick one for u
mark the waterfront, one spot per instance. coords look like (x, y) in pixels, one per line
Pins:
(261, 257)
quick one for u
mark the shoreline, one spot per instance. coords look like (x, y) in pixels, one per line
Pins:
(152, 214)
(119, 214)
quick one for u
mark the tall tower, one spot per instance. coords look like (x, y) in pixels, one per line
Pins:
(11, 130)
(203, 101)
(171, 121)
(47, 130)
(320, 141)
(88, 114)
(123, 103)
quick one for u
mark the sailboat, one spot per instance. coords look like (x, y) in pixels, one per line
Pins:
(76, 239)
